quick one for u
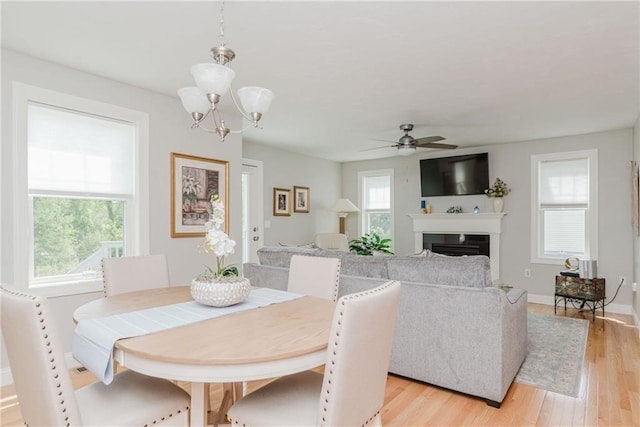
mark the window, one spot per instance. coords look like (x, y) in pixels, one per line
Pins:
(376, 196)
(82, 194)
(564, 200)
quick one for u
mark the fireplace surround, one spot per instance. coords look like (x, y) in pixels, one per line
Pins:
(479, 224)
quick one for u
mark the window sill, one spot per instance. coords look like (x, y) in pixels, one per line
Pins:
(61, 289)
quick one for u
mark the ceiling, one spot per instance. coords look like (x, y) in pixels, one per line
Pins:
(347, 73)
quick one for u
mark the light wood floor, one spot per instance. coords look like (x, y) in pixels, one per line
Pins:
(609, 396)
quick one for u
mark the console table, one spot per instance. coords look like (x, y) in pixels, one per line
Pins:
(590, 292)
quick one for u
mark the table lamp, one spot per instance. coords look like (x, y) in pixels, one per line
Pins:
(343, 207)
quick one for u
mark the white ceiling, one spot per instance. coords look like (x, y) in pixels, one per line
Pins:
(345, 73)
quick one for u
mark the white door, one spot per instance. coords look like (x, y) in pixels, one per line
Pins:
(252, 214)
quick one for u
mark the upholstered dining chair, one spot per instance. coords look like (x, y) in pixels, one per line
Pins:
(44, 388)
(134, 273)
(351, 391)
(332, 241)
(314, 276)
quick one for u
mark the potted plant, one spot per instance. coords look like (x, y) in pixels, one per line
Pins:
(497, 191)
(370, 244)
(220, 286)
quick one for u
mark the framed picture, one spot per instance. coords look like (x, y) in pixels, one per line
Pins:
(301, 200)
(193, 181)
(281, 202)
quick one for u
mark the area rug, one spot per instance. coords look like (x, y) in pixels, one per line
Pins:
(555, 353)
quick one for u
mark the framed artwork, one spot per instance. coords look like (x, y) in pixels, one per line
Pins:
(301, 200)
(281, 202)
(193, 181)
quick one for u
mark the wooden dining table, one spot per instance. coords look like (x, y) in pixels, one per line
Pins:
(261, 343)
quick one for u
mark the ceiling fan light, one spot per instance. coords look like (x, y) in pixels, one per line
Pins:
(255, 99)
(194, 100)
(213, 78)
(406, 150)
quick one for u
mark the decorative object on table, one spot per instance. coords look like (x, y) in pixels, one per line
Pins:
(281, 202)
(344, 207)
(193, 181)
(497, 191)
(301, 199)
(213, 82)
(454, 210)
(369, 244)
(222, 286)
(476, 210)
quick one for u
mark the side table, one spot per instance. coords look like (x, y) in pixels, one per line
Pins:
(590, 292)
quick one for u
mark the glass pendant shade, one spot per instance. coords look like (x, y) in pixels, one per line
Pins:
(255, 99)
(406, 151)
(194, 100)
(213, 78)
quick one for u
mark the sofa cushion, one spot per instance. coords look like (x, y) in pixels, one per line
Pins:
(358, 265)
(280, 256)
(467, 271)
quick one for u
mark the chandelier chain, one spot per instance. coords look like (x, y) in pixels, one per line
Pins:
(221, 36)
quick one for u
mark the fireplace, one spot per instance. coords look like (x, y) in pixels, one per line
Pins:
(457, 244)
(483, 224)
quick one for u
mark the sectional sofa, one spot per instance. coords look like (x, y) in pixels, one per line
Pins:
(454, 329)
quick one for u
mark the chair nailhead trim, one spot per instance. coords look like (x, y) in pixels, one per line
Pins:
(45, 337)
(345, 298)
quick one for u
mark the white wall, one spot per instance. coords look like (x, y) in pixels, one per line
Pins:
(636, 239)
(283, 169)
(511, 162)
(169, 132)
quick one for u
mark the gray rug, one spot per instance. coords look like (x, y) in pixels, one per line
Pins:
(556, 347)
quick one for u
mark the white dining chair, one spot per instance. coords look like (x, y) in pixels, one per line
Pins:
(314, 276)
(351, 391)
(134, 273)
(43, 385)
(332, 241)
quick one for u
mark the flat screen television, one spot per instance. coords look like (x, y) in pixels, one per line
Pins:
(454, 176)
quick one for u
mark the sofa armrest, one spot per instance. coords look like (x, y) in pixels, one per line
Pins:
(266, 276)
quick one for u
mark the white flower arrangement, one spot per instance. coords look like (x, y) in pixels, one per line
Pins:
(217, 241)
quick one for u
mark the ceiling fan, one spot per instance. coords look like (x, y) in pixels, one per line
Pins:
(407, 144)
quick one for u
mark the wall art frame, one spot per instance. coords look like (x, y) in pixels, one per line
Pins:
(301, 199)
(194, 180)
(281, 201)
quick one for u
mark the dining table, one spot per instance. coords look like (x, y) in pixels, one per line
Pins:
(260, 343)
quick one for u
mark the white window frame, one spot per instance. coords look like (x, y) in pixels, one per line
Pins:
(591, 220)
(137, 211)
(373, 173)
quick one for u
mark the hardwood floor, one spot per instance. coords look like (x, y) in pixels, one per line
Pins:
(609, 395)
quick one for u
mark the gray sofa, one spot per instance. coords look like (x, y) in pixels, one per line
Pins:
(454, 329)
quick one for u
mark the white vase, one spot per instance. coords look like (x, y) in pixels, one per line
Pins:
(220, 291)
(498, 204)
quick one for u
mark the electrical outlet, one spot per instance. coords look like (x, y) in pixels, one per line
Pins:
(634, 287)
(527, 272)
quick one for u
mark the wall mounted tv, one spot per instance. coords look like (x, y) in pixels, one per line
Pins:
(454, 176)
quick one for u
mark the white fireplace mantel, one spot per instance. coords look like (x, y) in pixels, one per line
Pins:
(480, 223)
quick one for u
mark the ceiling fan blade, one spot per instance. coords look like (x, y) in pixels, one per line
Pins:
(377, 148)
(429, 139)
(436, 145)
(384, 140)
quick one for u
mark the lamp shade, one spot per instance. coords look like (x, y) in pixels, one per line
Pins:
(255, 99)
(344, 205)
(194, 100)
(213, 78)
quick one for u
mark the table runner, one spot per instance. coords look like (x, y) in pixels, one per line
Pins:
(93, 339)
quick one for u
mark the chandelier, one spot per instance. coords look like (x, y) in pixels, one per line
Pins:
(213, 81)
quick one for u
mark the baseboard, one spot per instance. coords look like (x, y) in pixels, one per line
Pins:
(7, 379)
(550, 300)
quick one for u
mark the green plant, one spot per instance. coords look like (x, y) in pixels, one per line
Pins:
(370, 243)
